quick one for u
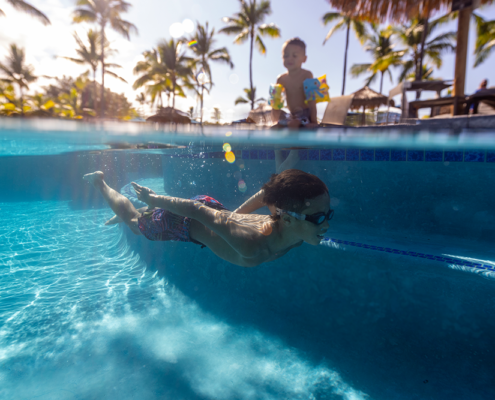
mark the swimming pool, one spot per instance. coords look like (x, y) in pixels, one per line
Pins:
(396, 303)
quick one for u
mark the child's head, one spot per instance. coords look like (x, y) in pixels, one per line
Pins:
(302, 202)
(294, 53)
(292, 190)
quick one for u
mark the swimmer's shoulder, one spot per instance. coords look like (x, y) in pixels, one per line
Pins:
(307, 74)
(282, 77)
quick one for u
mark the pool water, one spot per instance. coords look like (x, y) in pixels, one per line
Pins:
(396, 303)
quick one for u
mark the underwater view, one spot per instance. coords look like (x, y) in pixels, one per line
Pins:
(396, 301)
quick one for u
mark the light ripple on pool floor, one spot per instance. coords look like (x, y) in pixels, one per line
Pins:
(81, 317)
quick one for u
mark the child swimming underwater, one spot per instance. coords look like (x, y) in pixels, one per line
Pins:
(299, 202)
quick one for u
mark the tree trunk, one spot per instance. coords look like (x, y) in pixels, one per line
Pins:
(173, 90)
(95, 91)
(202, 93)
(102, 100)
(460, 58)
(251, 66)
(345, 54)
(381, 82)
(22, 100)
(419, 70)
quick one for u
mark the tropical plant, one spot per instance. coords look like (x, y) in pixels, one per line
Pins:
(379, 43)
(190, 112)
(163, 69)
(345, 22)
(17, 72)
(103, 13)
(485, 39)
(9, 103)
(24, 6)
(248, 24)
(427, 74)
(216, 115)
(411, 36)
(90, 55)
(250, 98)
(205, 51)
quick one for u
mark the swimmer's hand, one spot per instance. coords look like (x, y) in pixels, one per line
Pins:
(143, 193)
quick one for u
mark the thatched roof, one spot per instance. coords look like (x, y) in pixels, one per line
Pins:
(262, 115)
(392, 10)
(169, 114)
(368, 98)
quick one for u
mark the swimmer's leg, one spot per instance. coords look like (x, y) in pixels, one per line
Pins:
(114, 220)
(121, 205)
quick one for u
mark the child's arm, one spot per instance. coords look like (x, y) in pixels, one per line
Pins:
(239, 237)
(254, 203)
(312, 112)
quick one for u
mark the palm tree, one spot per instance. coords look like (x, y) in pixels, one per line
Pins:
(18, 72)
(411, 36)
(216, 115)
(104, 12)
(248, 24)
(205, 52)
(485, 39)
(162, 69)
(90, 55)
(250, 98)
(426, 75)
(346, 22)
(379, 44)
(21, 5)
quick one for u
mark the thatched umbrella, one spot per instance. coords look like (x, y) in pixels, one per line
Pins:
(401, 10)
(262, 115)
(367, 98)
(169, 114)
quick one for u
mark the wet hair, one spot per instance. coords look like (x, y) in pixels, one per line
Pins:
(295, 42)
(291, 188)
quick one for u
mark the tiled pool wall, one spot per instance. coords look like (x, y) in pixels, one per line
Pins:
(353, 154)
(450, 198)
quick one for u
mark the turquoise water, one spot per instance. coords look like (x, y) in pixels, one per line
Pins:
(396, 303)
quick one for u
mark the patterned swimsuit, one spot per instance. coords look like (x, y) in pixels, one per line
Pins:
(162, 225)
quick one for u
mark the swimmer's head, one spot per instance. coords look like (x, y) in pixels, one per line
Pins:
(292, 190)
(294, 53)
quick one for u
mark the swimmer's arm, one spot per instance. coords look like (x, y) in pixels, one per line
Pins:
(219, 222)
(252, 204)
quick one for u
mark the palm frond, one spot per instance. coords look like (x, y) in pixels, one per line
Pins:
(335, 28)
(270, 30)
(260, 45)
(29, 9)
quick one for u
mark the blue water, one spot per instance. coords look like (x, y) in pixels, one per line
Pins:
(397, 303)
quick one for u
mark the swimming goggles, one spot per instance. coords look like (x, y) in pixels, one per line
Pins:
(316, 219)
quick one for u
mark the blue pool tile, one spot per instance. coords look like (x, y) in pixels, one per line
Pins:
(454, 156)
(303, 154)
(490, 156)
(270, 154)
(253, 154)
(352, 155)
(474, 156)
(326, 154)
(433, 156)
(398, 155)
(367, 155)
(415, 155)
(382, 155)
(245, 154)
(262, 154)
(314, 155)
(338, 154)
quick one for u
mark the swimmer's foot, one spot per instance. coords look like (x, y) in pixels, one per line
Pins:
(143, 193)
(94, 178)
(114, 220)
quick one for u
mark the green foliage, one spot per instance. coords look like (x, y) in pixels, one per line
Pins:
(485, 39)
(24, 6)
(379, 43)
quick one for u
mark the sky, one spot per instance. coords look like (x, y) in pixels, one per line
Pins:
(153, 18)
